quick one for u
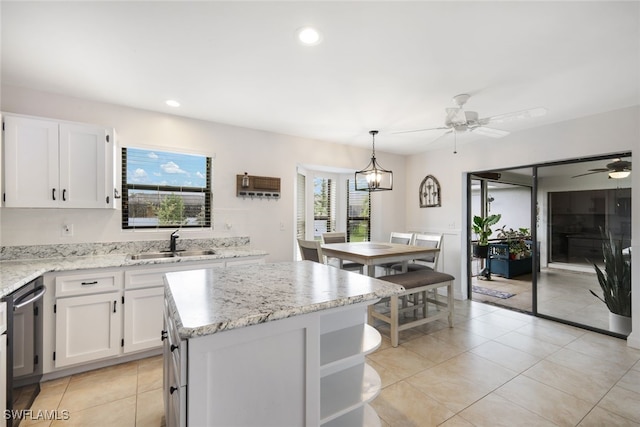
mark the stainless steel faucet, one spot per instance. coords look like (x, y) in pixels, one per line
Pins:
(172, 242)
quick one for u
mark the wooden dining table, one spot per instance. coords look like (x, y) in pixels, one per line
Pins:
(373, 253)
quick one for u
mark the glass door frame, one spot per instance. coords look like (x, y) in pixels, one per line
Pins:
(470, 176)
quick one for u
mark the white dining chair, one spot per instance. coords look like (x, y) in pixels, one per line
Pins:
(341, 237)
(400, 238)
(311, 250)
(429, 262)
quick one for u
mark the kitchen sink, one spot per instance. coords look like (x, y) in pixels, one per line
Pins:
(197, 252)
(185, 253)
(153, 255)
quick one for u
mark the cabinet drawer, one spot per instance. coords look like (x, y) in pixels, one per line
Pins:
(151, 276)
(88, 283)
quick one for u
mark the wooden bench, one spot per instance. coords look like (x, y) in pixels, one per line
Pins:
(417, 285)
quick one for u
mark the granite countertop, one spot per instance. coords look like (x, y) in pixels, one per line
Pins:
(17, 273)
(203, 302)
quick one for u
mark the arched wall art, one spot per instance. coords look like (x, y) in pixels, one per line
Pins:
(429, 192)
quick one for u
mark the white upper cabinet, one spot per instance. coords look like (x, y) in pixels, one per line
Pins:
(57, 164)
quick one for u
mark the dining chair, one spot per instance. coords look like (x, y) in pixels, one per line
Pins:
(311, 250)
(341, 237)
(429, 262)
(400, 238)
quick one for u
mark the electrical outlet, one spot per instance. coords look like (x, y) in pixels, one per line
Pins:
(67, 230)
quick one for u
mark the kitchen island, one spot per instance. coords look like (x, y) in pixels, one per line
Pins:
(280, 344)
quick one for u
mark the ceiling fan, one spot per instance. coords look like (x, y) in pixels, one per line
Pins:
(458, 120)
(617, 169)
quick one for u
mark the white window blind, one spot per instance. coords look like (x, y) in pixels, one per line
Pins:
(324, 219)
(358, 213)
(300, 207)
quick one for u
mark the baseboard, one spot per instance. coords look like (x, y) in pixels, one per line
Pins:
(65, 372)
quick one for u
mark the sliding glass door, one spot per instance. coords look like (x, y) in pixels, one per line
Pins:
(584, 203)
(563, 213)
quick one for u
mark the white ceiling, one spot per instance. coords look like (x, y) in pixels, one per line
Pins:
(381, 65)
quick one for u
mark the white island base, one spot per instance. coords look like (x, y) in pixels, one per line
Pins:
(305, 370)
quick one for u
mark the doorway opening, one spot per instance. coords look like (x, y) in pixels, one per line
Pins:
(503, 277)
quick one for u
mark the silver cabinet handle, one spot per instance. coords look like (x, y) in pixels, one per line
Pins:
(37, 293)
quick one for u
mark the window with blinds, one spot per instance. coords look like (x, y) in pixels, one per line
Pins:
(358, 213)
(165, 190)
(301, 211)
(324, 218)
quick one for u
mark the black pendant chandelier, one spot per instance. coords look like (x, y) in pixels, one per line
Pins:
(374, 177)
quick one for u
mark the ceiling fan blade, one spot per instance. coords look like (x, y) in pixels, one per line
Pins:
(593, 171)
(420, 130)
(487, 131)
(619, 165)
(441, 136)
(516, 115)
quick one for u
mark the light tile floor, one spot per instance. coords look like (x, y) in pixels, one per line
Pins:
(129, 394)
(494, 368)
(502, 368)
(563, 294)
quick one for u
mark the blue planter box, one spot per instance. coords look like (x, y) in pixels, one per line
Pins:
(500, 264)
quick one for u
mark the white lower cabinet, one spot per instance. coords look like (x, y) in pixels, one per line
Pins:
(97, 314)
(87, 328)
(142, 318)
(85, 309)
(143, 304)
(306, 370)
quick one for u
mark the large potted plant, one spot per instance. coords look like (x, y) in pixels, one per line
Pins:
(482, 228)
(615, 282)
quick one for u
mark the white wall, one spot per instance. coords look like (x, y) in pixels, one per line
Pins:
(512, 203)
(269, 224)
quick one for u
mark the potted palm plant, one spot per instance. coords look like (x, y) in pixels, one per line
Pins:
(615, 282)
(482, 228)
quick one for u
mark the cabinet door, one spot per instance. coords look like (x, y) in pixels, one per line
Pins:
(143, 318)
(30, 162)
(87, 328)
(84, 165)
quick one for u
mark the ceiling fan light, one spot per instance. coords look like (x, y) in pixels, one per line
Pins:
(619, 174)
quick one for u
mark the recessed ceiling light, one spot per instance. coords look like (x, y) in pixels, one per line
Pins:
(172, 103)
(309, 36)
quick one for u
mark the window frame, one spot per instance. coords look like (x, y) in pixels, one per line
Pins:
(127, 187)
(351, 190)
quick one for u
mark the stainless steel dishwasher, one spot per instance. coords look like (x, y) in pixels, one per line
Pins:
(24, 347)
